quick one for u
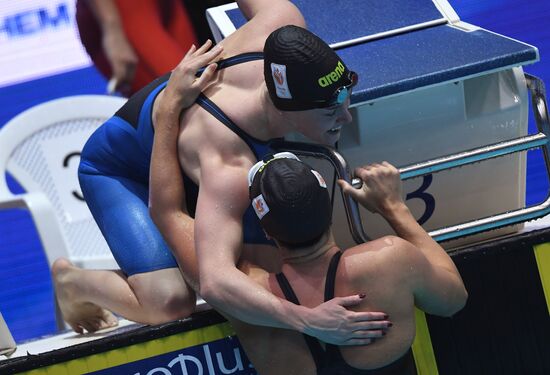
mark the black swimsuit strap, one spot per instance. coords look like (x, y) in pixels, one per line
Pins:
(331, 276)
(286, 288)
(330, 282)
(330, 360)
(317, 351)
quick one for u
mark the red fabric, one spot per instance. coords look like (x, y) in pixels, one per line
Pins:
(160, 32)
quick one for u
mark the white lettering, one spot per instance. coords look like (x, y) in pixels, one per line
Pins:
(159, 370)
(208, 357)
(238, 362)
(181, 360)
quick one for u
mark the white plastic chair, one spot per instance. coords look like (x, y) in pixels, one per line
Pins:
(40, 148)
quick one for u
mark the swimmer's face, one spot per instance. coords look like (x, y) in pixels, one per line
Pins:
(323, 125)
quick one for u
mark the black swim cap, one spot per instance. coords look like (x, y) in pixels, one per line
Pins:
(301, 71)
(292, 201)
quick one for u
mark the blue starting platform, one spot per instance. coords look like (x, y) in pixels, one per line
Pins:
(398, 46)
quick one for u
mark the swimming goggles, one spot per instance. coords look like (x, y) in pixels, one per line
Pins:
(259, 166)
(337, 98)
(342, 93)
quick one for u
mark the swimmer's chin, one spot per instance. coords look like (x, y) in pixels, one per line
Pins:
(332, 136)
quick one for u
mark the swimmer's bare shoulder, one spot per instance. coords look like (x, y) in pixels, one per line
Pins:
(389, 258)
(394, 264)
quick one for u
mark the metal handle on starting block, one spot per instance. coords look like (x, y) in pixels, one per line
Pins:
(540, 108)
(468, 157)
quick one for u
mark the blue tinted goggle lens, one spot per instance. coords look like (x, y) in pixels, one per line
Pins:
(342, 93)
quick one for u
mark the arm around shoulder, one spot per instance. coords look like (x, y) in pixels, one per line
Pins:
(223, 199)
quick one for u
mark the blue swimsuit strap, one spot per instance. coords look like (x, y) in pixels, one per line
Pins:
(235, 60)
(216, 111)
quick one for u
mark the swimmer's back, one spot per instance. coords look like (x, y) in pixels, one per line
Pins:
(380, 268)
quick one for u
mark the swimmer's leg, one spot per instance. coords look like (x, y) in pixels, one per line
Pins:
(150, 289)
(86, 297)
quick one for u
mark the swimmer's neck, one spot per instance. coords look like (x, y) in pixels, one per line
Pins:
(309, 253)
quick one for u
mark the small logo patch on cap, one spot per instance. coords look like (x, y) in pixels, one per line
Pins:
(279, 77)
(320, 178)
(260, 206)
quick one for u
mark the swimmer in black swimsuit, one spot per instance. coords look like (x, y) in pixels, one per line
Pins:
(396, 273)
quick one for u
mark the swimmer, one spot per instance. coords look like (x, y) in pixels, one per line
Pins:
(153, 294)
(396, 272)
(253, 98)
(257, 102)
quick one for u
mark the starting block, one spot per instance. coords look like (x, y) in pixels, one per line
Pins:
(430, 85)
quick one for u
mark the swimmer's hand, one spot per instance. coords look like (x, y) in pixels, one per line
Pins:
(184, 86)
(382, 188)
(333, 323)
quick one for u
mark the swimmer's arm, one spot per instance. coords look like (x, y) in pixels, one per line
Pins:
(264, 16)
(166, 190)
(436, 290)
(271, 10)
(382, 193)
(167, 193)
(223, 198)
(439, 289)
(251, 8)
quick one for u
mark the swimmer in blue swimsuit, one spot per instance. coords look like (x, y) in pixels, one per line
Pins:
(249, 102)
(396, 272)
(114, 177)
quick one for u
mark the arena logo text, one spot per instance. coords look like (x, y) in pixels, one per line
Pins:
(333, 76)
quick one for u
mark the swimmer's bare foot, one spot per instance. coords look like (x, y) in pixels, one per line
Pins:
(78, 314)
